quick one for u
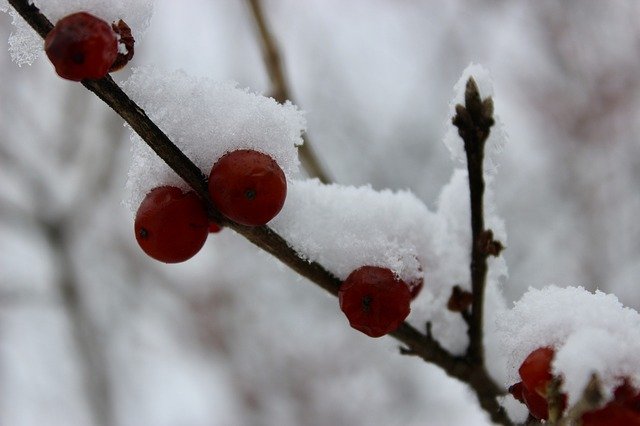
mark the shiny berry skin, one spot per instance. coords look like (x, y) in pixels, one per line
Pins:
(248, 187)
(171, 226)
(374, 300)
(535, 370)
(81, 46)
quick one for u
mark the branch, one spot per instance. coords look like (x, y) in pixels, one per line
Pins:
(281, 93)
(422, 345)
(474, 121)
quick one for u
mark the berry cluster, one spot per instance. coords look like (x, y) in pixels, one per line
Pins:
(246, 186)
(82, 46)
(533, 391)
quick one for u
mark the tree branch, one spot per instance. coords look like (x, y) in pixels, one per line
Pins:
(281, 93)
(422, 345)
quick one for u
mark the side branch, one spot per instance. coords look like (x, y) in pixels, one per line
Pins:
(415, 342)
(474, 121)
(281, 93)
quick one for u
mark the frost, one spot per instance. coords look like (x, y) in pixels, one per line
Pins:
(345, 227)
(592, 333)
(205, 119)
(497, 138)
(25, 44)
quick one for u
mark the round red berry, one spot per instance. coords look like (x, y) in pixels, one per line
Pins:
(81, 46)
(374, 300)
(535, 370)
(248, 187)
(171, 226)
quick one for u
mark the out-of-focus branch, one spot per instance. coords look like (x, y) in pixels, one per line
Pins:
(91, 353)
(280, 90)
(415, 342)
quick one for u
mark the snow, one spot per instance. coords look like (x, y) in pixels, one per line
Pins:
(25, 44)
(206, 119)
(497, 138)
(449, 259)
(346, 227)
(591, 332)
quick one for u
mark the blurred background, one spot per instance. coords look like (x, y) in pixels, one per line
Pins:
(93, 332)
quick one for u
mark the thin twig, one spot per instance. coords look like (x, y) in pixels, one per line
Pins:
(280, 89)
(417, 343)
(474, 121)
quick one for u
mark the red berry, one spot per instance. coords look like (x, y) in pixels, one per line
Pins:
(374, 300)
(171, 226)
(535, 370)
(537, 405)
(248, 187)
(81, 46)
(627, 395)
(611, 415)
(623, 410)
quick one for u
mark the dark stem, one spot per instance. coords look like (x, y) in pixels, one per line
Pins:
(474, 121)
(415, 342)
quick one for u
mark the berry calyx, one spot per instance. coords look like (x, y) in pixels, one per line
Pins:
(125, 39)
(171, 226)
(248, 187)
(374, 300)
(81, 46)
